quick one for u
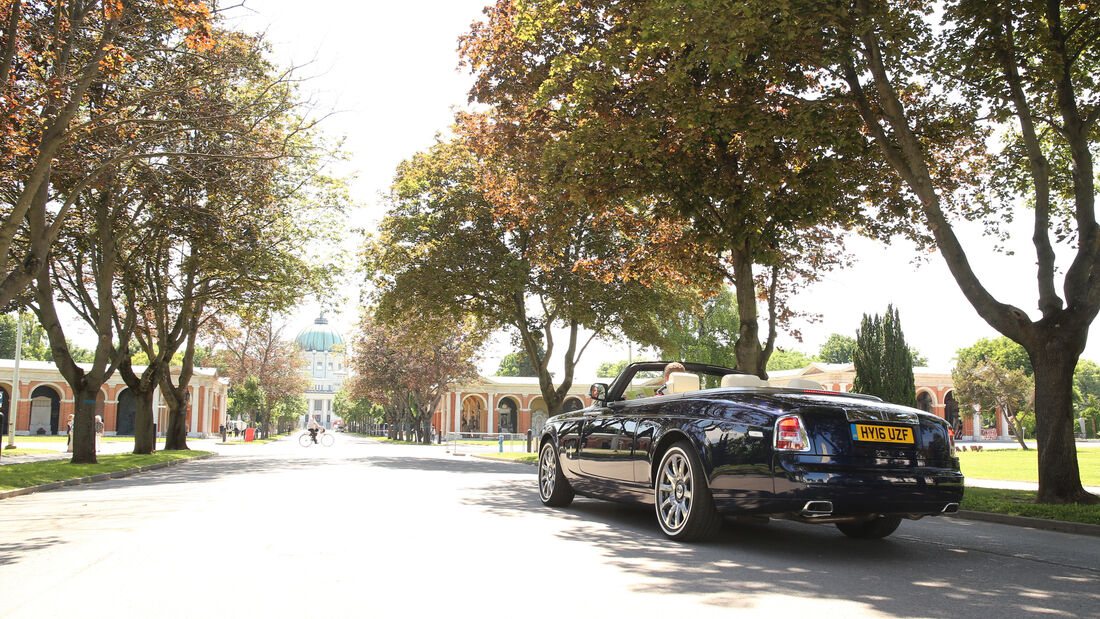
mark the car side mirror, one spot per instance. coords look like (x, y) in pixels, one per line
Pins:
(598, 391)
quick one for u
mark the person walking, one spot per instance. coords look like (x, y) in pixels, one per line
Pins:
(69, 433)
(98, 432)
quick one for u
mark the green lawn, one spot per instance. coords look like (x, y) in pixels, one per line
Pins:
(48, 438)
(384, 439)
(25, 452)
(1020, 465)
(1022, 503)
(14, 476)
(476, 442)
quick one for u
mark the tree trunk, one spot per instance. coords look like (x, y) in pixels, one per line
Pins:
(750, 358)
(1017, 427)
(84, 427)
(175, 435)
(1059, 475)
(145, 440)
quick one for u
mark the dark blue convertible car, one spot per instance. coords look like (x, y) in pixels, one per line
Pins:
(744, 448)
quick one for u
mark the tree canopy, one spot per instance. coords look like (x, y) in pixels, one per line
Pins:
(995, 389)
(518, 364)
(634, 109)
(704, 335)
(1001, 350)
(838, 349)
(783, 359)
(406, 365)
(445, 250)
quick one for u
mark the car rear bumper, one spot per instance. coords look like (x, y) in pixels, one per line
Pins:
(851, 490)
(856, 489)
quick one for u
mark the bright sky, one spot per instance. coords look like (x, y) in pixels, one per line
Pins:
(390, 70)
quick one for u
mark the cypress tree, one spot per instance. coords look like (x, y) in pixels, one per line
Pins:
(883, 362)
(867, 357)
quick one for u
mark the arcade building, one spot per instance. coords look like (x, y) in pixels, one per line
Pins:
(46, 401)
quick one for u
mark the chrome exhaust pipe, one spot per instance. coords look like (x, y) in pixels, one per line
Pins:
(950, 508)
(817, 509)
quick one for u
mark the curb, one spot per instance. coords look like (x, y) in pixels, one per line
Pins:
(1077, 528)
(100, 477)
(513, 461)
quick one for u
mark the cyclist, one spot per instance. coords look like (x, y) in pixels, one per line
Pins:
(314, 429)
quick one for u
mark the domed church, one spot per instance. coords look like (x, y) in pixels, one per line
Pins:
(323, 353)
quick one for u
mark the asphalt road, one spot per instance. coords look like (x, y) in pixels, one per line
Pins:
(364, 529)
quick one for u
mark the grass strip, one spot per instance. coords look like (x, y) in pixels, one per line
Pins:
(387, 440)
(471, 441)
(1020, 465)
(1022, 503)
(18, 451)
(13, 476)
(51, 438)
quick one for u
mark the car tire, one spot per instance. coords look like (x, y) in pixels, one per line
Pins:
(554, 488)
(876, 528)
(684, 505)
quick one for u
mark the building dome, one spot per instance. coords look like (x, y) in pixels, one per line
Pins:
(318, 338)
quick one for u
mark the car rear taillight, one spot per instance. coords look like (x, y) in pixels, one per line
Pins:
(790, 434)
(951, 439)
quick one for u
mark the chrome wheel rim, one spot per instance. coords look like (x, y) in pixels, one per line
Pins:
(674, 491)
(547, 472)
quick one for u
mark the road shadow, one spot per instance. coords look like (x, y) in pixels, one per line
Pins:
(746, 559)
(448, 464)
(13, 552)
(228, 465)
(207, 470)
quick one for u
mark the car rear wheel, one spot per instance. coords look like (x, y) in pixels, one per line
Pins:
(877, 528)
(685, 507)
(554, 488)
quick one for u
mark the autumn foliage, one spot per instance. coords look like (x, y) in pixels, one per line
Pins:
(406, 365)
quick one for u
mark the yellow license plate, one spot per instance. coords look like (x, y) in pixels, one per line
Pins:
(881, 434)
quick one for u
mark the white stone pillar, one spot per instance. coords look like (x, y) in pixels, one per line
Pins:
(489, 417)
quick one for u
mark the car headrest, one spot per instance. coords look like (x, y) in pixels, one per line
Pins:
(804, 383)
(679, 382)
(743, 380)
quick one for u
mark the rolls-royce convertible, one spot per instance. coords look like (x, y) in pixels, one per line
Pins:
(745, 448)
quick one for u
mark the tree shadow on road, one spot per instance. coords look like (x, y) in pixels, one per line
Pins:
(205, 470)
(449, 464)
(12, 552)
(900, 575)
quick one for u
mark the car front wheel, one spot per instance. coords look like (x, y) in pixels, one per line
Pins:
(554, 488)
(685, 507)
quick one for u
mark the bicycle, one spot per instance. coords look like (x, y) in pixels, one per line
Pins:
(325, 439)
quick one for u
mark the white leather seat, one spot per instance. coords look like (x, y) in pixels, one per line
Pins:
(679, 382)
(743, 380)
(804, 383)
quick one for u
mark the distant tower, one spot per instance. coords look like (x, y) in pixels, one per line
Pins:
(323, 352)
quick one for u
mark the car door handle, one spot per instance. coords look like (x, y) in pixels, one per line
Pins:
(756, 434)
